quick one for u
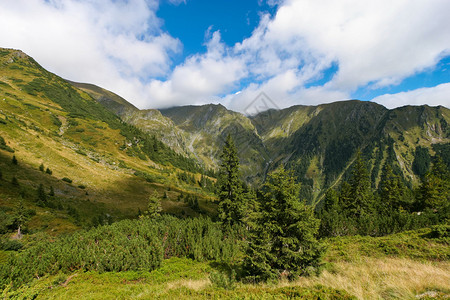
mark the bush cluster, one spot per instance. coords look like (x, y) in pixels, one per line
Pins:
(123, 246)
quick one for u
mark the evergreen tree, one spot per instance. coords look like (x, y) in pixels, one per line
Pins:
(48, 171)
(283, 237)
(422, 161)
(52, 192)
(390, 190)
(154, 206)
(41, 167)
(434, 192)
(360, 200)
(41, 195)
(332, 219)
(1, 175)
(229, 186)
(14, 160)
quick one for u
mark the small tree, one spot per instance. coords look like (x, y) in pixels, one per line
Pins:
(41, 167)
(283, 237)
(48, 171)
(52, 192)
(14, 160)
(41, 195)
(154, 206)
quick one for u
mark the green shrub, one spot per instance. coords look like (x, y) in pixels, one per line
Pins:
(67, 179)
(439, 232)
(11, 245)
(123, 246)
(223, 280)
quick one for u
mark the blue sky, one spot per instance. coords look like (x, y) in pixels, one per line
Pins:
(162, 53)
(191, 21)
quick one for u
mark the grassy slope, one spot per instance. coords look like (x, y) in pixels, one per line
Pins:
(400, 266)
(84, 149)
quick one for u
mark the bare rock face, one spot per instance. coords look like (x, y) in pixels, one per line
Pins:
(20, 54)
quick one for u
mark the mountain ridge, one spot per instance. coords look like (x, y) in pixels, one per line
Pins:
(318, 142)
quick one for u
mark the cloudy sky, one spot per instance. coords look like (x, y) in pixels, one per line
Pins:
(162, 53)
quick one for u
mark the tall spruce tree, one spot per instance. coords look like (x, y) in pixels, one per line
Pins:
(332, 219)
(391, 190)
(360, 199)
(232, 200)
(283, 236)
(434, 192)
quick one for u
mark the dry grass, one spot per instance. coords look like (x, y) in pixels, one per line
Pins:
(387, 278)
(195, 285)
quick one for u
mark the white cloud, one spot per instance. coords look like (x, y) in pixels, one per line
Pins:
(115, 44)
(200, 79)
(433, 96)
(379, 42)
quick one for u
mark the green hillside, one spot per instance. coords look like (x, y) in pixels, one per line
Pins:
(100, 168)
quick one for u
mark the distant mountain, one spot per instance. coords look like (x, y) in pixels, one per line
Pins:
(318, 142)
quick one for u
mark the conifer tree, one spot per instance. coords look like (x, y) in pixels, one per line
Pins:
(390, 190)
(333, 221)
(14, 160)
(52, 192)
(360, 199)
(283, 237)
(1, 175)
(41, 167)
(154, 206)
(229, 186)
(41, 196)
(434, 192)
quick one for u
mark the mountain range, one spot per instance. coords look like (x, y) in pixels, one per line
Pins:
(318, 142)
(115, 153)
